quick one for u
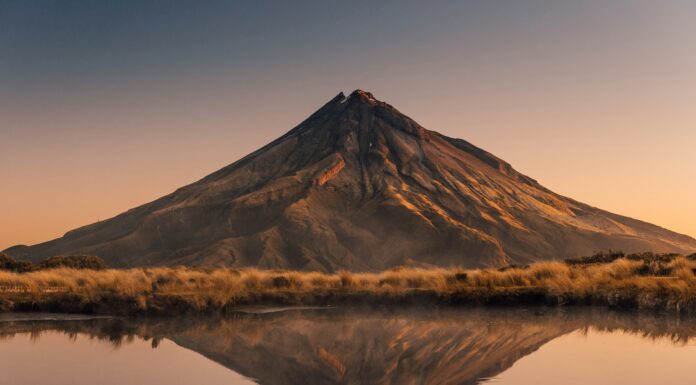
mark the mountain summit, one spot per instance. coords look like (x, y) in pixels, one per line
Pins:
(360, 186)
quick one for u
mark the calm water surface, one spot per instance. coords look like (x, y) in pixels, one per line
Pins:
(352, 346)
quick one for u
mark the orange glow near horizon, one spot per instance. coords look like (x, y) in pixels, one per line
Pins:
(615, 161)
(104, 109)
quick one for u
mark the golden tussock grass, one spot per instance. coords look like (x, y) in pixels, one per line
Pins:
(650, 284)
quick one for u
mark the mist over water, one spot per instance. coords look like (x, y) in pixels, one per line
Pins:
(352, 346)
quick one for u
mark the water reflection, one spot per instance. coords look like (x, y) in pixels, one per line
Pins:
(364, 346)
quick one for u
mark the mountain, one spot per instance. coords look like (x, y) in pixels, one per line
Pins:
(360, 186)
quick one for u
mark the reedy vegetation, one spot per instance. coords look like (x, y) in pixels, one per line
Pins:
(648, 283)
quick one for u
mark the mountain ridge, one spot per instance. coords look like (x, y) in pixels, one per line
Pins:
(359, 185)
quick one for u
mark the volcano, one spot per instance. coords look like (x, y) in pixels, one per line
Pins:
(360, 186)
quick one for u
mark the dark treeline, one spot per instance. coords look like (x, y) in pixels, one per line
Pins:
(8, 263)
(92, 262)
(648, 258)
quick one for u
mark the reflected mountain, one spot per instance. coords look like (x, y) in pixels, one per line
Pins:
(352, 346)
(368, 347)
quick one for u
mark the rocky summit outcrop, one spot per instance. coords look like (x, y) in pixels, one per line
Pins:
(360, 186)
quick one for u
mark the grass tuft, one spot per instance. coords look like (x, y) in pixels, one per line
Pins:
(654, 282)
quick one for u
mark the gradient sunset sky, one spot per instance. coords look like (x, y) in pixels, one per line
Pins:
(106, 105)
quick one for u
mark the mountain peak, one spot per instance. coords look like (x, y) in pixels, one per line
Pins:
(364, 96)
(358, 95)
(359, 185)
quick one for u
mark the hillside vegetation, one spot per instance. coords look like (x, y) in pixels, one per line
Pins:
(644, 281)
(69, 261)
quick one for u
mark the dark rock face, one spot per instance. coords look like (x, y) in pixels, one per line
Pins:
(360, 186)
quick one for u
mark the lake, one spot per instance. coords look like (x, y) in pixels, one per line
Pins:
(352, 346)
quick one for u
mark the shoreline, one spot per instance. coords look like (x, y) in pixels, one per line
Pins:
(650, 283)
(112, 304)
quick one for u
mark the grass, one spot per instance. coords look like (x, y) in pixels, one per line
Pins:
(648, 282)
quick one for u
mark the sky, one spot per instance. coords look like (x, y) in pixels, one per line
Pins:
(108, 105)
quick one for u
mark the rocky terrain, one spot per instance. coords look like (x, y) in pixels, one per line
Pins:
(360, 186)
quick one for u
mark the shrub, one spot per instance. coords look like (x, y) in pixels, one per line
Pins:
(598, 257)
(10, 264)
(280, 282)
(73, 262)
(346, 278)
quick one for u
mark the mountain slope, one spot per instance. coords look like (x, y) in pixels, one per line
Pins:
(358, 185)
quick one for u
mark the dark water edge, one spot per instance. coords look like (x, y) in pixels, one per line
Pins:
(384, 345)
(165, 305)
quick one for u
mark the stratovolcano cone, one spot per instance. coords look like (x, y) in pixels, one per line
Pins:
(360, 186)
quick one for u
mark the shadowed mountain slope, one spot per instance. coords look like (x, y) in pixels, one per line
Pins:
(360, 186)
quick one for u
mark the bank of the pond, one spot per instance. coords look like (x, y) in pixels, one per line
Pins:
(651, 283)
